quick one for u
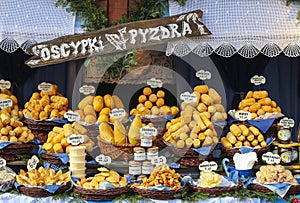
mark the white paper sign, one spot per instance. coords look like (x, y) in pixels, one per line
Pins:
(4, 84)
(72, 116)
(87, 89)
(271, 158)
(148, 131)
(203, 75)
(4, 103)
(117, 113)
(102, 159)
(2, 162)
(75, 139)
(208, 166)
(45, 87)
(159, 160)
(258, 80)
(32, 163)
(242, 115)
(154, 83)
(287, 123)
(188, 97)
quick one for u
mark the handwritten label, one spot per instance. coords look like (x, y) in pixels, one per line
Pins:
(4, 84)
(158, 160)
(148, 131)
(45, 87)
(4, 103)
(258, 80)
(271, 158)
(87, 89)
(243, 115)
(203, 75)
(208, 166)
(72, 116)
(117, 113)
(2, 162)
(287, 123)
(75, 139)
(32, 163)
(154, 83)
(188, 97)
(102, 159)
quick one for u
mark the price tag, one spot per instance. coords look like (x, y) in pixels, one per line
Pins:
(4, 103)
(208, 166)
(154, 83)
(148, 131)
(2, 162)
(117, 113)
(258, 80)
(87, 89)
(157, 161)
(188, 97)
(75, 139)
(271, 158)
(72, 116)
(102, 159)
(32, 163)
(45, 87)
(203, 75)
(4, 84)
(243, 115)
(287, 123)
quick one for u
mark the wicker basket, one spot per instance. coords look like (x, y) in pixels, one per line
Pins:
(100, 195)
(115, 151)
(159, 195)
(10, 152)
(294, 189)
(52, 158)
(41, 192)
(215, 190)
(193, 162)
(231, 151)
(40, 129)
(92, 132)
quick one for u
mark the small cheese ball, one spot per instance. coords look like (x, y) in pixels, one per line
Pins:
(142, 98)
(160, 94)
(160, 102)
(153, 98)
(147, 91)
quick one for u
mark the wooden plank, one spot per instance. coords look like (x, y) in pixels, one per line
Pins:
(127, 36)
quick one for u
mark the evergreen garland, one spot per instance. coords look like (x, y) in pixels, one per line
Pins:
(144, 10)
(93, 18)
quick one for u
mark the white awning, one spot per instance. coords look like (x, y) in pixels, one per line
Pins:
(247, 27)
(24, 23)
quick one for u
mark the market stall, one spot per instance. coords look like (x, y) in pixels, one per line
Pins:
(199, 106)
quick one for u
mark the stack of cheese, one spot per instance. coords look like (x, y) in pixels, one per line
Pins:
(94, 109)
(45, 105)
(150, 103)
(119, 135)
(241, 135)
(57, 138)
(98, 179)
(77, 161)
(258, 103)
(13, 130)
(194, 127)
(13, 110)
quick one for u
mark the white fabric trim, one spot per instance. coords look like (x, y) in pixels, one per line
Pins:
(246, 27)
(27, 22)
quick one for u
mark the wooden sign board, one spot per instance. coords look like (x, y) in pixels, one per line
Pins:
(127, 36)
